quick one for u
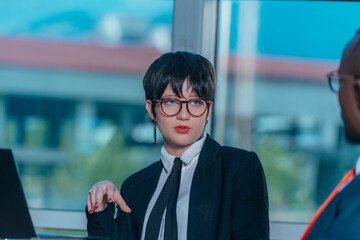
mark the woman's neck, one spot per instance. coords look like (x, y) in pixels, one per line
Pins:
(176, 150)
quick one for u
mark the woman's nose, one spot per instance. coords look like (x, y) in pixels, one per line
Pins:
(184, 113)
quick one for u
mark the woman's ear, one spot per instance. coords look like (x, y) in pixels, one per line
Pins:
(149, 109)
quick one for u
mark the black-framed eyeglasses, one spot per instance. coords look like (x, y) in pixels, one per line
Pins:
(334, 79)
(172, 106)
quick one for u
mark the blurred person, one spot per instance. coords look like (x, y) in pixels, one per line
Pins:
(198, 189)
(339, 216)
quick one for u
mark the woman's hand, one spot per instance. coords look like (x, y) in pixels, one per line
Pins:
(101, 194)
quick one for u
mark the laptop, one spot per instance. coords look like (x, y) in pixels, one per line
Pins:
(15, 220)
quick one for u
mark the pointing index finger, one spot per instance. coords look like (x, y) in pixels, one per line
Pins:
(120, 201)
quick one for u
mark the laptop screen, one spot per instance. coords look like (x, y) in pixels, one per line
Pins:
(15, 221)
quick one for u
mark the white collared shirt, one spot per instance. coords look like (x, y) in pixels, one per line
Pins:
(190, 158)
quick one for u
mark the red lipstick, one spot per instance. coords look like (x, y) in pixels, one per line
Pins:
(182, 129)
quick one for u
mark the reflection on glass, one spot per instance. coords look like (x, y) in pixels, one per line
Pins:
(71, 99)
(273, 96)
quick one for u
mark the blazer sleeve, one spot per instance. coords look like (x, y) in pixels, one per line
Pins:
(103, 224)
(249, 200)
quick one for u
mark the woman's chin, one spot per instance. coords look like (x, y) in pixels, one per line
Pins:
(180, 143)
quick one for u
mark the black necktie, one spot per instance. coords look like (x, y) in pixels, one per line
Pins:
(167, 199)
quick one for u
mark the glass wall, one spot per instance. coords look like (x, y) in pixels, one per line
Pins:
(72, 106)
(273, 98)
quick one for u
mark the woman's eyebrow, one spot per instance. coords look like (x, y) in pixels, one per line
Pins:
(170, 96)
(192, 96)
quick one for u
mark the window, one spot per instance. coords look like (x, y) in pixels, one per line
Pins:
(71, 99)
(273, 97)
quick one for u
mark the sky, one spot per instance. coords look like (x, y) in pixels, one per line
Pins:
(305, 29)
(308, 29)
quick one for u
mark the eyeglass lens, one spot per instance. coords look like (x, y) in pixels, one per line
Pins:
(334, 83)
(195, 107)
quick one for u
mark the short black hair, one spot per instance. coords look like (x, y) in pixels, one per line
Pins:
(175, 68)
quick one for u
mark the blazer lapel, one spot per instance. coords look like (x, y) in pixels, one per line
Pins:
(143, 191)
(200, 203)
(325, 219)
(346, 199)
(352, 188)
(339, 207)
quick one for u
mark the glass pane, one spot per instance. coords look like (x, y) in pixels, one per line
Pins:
(273, 97)
(72, 106)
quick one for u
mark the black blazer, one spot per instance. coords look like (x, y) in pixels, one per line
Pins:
(228, 199)
(341, 218)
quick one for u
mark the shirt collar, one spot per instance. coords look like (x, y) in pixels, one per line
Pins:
(187, 156)
(357, 166)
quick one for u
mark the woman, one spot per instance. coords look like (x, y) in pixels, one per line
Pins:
(198, 189)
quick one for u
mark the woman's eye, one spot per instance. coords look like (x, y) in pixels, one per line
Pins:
(196, 102)
(170, 102)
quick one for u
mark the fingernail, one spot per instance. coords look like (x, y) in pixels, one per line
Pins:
(97, 203)
(91, 211)
(110, 199)
(96, 208)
